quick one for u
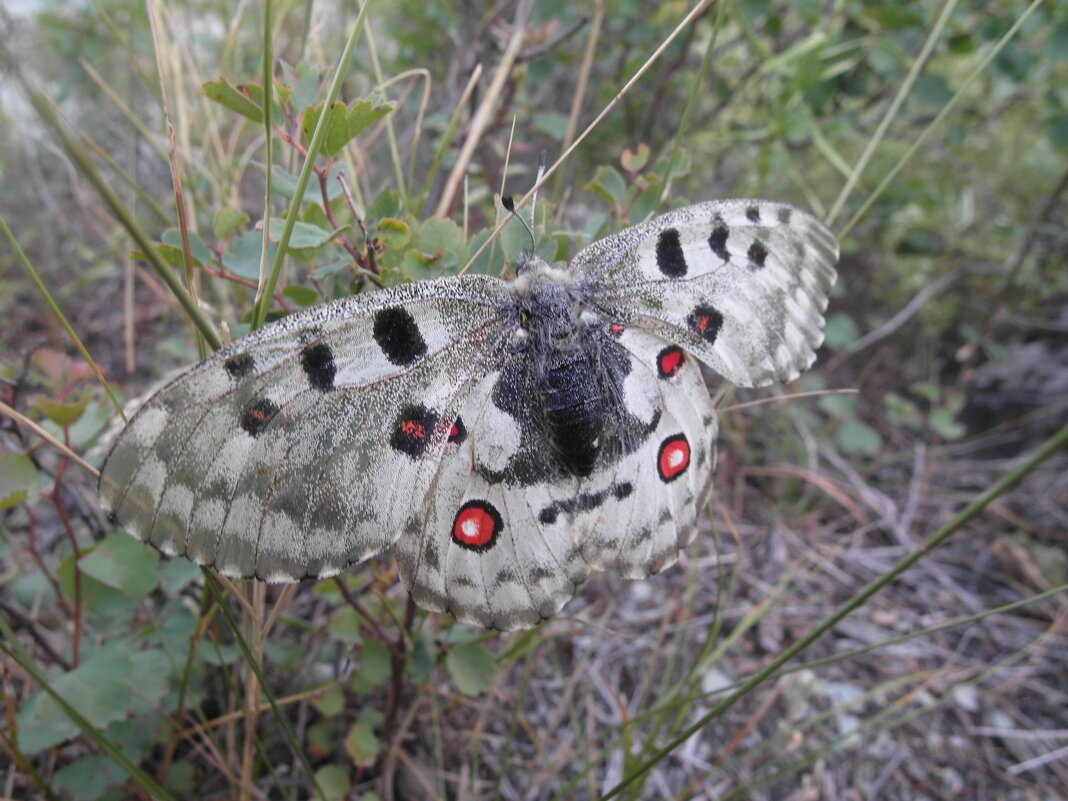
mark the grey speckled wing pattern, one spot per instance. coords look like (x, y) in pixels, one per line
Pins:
(503, 437)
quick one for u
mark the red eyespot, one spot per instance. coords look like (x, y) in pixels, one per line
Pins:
(670, 361)
(476, 526)
(673, 458)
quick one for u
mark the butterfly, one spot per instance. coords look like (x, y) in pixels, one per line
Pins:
(503, 437)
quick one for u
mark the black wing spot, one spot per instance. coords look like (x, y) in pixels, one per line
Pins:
(258, 415)
(758, 253)
(413, 430)
(706, 321)
(240, 366)
(717, 241)
(398, 336)
(784, 214)
(669, 256)
(752, 214)
(318, 363)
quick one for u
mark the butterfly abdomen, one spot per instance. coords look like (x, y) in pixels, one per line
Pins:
(574, 412)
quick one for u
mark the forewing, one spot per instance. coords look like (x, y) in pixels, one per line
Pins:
(741, 284)
(302, 448)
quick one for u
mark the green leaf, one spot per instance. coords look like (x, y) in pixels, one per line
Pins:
(18, 478)
(124, 564)
(62, 414)
(200, 252)
(343, 124)
(902, 411)
(375, 667)
(331, 702)
(224, 93)
(633, 161)
(927, 390)
(360, 742)
(306, 86)
(286, 185)
(395, 234)
(932, 90)
(472, 668)
(421, 657)
(385, 204)
(345, 625)
(301, 295)
(841, 331)
(1058, 131)
(857, 438)
(334, 782)
(839, 405)
(943, 422)
(244, 257)
(227, 220)
(1057, 46)
(110, 685)
(551, 123)
(437, 237)
(88, 778)
(96, 597)
(305, 235)
(608, 184)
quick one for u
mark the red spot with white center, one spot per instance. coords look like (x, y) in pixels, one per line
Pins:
(476, 526)
(673, 458)
(669, 361)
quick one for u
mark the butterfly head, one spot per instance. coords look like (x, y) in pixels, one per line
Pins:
(546, 308)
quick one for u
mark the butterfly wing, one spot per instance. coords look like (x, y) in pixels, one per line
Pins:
(302, 448)
(741, 284)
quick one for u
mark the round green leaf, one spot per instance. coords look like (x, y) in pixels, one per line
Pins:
(472, 667)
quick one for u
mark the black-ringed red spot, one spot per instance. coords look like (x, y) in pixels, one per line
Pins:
(673, 457)
(257, 415)
(616, 329)
(476, 526)
(670, 361)
(413, 430)
(706, 321)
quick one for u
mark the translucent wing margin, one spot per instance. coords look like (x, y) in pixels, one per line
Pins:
(302, 449)
(741, 284)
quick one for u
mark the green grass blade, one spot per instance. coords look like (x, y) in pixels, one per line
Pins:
(266, 291)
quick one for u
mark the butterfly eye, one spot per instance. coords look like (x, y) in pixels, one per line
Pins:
(524, 317)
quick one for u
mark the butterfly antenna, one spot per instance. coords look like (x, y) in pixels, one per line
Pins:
(509, 204)
(537, 183)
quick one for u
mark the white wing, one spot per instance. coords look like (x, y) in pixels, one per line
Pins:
(741, 284)
(304, 447)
